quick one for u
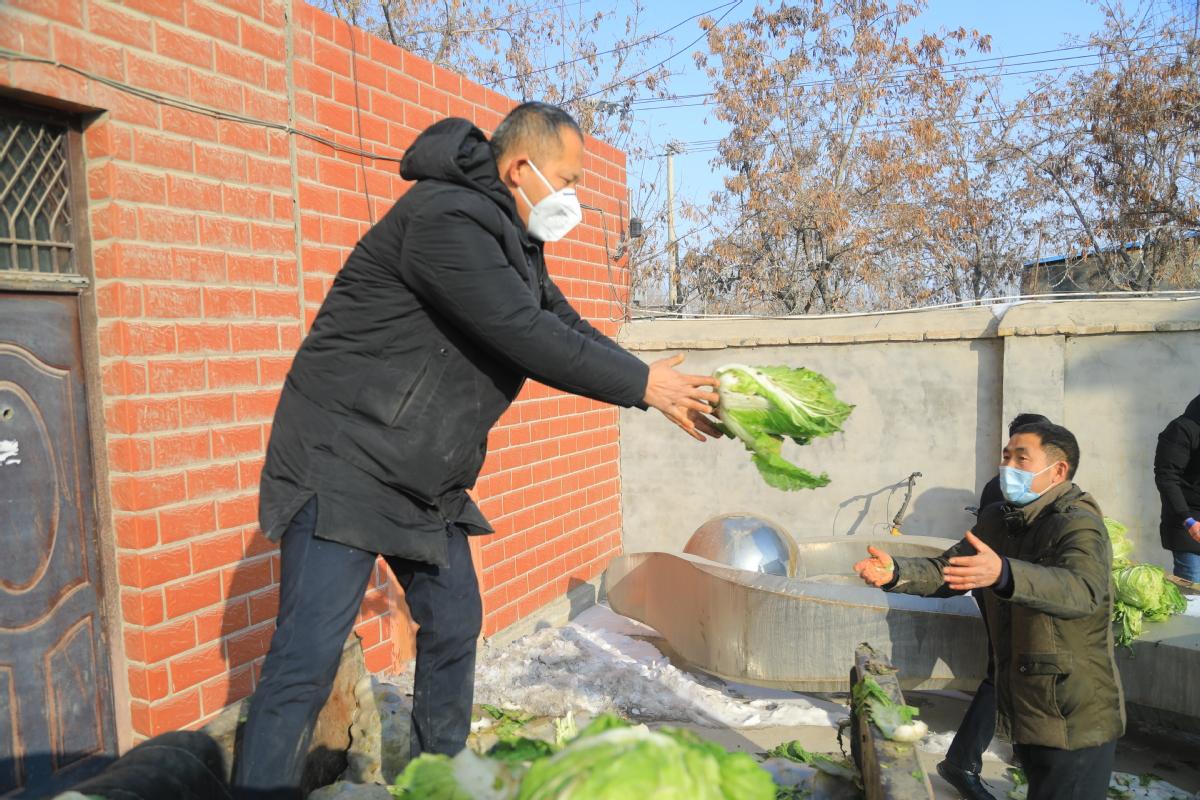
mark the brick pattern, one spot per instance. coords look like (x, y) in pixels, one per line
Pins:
(214, 242)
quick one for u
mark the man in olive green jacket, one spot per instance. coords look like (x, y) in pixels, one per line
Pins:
(1047, 561)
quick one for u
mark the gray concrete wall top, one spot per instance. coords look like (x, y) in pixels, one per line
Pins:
(1082, 318)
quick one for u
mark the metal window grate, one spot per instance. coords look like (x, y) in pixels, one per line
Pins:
(35, 199)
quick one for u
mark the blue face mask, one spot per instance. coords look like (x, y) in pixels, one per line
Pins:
(1015, 485)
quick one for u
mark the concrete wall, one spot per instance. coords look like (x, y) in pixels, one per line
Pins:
(933, 392)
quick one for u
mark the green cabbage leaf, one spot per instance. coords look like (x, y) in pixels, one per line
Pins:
(895, 721)
(762, 406)
(1143, 591)
(607, 760)
(1122, 548)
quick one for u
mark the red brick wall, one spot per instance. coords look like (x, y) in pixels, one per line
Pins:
(213, 243)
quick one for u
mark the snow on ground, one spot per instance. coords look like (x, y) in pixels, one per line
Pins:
(594, 664)
(939, 743)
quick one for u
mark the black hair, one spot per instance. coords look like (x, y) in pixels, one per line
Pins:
(1024, 419)
(535, 125)
(1057, 442)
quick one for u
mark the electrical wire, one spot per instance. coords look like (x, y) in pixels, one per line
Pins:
(955, 66)
(707, 145)
(1094, 63)
(1162, 295)
(647, 38)
(197, 108)
(684, 49)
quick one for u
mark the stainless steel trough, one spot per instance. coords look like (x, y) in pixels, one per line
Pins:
(800, 633)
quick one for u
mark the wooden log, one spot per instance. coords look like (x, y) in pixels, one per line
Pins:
(890, 770)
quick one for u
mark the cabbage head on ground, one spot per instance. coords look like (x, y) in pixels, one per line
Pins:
(608, 760)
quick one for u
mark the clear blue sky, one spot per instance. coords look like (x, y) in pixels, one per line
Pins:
(1016, 26)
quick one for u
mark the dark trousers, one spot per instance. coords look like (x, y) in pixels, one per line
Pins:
(979, 723)
(1056, 774)
(321, 587)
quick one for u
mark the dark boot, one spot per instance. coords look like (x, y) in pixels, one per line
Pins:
(968, 784)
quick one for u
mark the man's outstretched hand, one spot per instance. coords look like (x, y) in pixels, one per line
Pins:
(683, 399)
(878, 570)
(980, 571)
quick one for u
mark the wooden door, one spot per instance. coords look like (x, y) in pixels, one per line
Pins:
(56, 714)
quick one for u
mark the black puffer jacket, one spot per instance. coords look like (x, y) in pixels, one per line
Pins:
(432, 326)
(1177, 476)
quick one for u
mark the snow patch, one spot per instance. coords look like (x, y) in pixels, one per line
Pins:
(939, 743)
(594, 664)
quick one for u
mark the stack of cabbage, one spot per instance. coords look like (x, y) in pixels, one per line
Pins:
(608, 760)
(763, 405)
(1143, 591)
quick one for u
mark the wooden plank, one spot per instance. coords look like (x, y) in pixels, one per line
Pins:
(890, 770)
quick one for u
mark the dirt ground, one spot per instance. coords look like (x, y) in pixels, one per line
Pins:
(1139, 752)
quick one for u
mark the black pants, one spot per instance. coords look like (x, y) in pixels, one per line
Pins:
(321, 587)
(1067, 774)
(979, 723)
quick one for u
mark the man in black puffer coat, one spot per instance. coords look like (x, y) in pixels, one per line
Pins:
(439, 315)
(1177, 476)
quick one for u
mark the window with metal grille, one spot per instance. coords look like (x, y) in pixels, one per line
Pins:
(35, 198)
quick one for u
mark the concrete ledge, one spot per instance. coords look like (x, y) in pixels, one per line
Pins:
(1073, 318)
(1101, 316)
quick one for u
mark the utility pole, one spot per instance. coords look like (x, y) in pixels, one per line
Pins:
(673, 288)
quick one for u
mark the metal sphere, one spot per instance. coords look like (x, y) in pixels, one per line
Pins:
(747, 542)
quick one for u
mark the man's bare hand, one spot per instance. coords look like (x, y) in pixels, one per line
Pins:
(980, 571)
(1194, 531)
(677, 395)
(877, 570)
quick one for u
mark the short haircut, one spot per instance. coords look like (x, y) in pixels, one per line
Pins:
(1024, 419)
(1057, 442)
(536, 126)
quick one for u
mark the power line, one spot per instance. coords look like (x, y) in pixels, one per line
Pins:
(186, 105)
(691, 44)
(999, 70)
(647, 38)
(495, 23)
(667, 106)
(713, 145)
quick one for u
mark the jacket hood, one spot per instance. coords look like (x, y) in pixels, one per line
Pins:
(1192, 411)
(455, 151)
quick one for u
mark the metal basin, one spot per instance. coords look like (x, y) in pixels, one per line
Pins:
(800, 632)
(745, 541)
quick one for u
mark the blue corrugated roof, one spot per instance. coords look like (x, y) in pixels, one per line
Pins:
(1050, 260)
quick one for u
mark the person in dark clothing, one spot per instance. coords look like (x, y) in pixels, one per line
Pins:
(964, 758)
(1044, 559)
(437, 318)
(1177, 476)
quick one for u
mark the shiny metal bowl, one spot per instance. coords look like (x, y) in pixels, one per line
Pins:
(747, 542)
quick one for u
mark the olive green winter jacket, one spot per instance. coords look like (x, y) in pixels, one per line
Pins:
(1056, 678)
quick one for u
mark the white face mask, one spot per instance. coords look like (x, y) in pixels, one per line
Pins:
(555, 214)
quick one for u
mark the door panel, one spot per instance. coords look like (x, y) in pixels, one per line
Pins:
(56, 716)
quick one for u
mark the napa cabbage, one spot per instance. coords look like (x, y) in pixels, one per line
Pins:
(762, 406)
(608, 760)
(1143, 592)
(896, 721)
(1122, 548)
